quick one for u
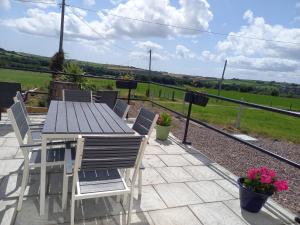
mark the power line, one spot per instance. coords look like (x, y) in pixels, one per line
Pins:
(95, 31)
(40, 2)
(187, 28)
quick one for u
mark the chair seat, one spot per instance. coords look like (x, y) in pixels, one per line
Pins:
(100, 181)
(53, 155)
(36, 135)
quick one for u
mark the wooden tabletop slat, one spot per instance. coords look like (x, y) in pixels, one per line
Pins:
(61, 118)
(114, 126)
(90, 118)
(50, 122)
(83, 118)
(82, 121)
(101, 120)
(116, 118)
(72, 120)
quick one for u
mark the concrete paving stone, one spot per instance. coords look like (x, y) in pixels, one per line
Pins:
(88, 209)
(173, 149)
(216, 213)
(177, 194)
(174, 216)
(8, 134)
(151, 176)
(2, 140)
(19, 154)
(209, 191)
(230, 187)
(7, 211)
(283, 213)
(202, 173)
(264, 217)
(10, 166)
(8, 152)
(174, 160)
(149, 200)
(154, 150)
(225, 173)
(152, 161)
(174, 174)
(10, 186)
(10, 142)
(197, 159)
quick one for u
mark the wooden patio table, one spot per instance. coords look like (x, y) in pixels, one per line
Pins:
(66, 120)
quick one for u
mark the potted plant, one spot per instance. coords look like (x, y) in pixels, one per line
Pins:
(163, 126)
(258, 186)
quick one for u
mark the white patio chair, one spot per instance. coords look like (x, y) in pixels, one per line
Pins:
(77, 95)
(144, 125)
(97, 167)
(19, 98)
(31, 151)
(121, 108)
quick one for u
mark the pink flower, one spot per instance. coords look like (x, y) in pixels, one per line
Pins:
(272, 173)
(264, 170)
(265, 179)
(252, 173)
(281, 185)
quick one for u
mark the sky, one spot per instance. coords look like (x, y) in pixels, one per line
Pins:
(259, 39)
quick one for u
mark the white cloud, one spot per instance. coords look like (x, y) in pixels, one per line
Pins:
(89, 2)
(184, 52)
(259, 55)
(298, 5)
(147, 45)
(4, 4)
(190, 13)
(248, 15)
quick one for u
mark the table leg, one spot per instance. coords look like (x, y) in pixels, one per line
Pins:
(43, 176)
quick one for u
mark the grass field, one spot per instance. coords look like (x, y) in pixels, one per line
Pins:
(217, 112)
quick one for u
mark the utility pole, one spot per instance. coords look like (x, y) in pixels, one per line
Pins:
(220, 82)
(150, 59)
(62, 20)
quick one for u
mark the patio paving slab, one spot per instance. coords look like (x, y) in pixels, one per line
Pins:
(216, 213)
(197, 159)
(151, 176)
(7, 211)
(174, 174)
(7, 152)
(229, 187)
(177, 194)
(174, 216)
(202, 172)
(174, 160)
(154, 150)
(11, 166)
(209, 191)
(153, 161)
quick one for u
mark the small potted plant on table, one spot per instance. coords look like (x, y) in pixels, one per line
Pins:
(163, 126)
(257, 187)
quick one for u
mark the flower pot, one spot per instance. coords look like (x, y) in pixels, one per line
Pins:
(251, 201)
(162, 132)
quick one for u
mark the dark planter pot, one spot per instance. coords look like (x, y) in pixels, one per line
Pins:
(249, 200)
(126, 84)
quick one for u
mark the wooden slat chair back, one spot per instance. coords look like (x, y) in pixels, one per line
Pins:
(31, 151)
(77, 95)
(121, 108)
(97, 161)
(108, 97)
(145, 122)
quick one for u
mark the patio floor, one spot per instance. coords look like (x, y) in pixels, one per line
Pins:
(180, 186)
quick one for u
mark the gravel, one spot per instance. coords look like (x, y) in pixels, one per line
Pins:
(238, 158)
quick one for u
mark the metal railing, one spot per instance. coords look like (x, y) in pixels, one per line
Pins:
(209, 126)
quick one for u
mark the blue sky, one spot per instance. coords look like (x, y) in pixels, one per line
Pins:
(101, 35)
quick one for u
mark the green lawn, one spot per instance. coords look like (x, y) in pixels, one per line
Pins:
(217, 112)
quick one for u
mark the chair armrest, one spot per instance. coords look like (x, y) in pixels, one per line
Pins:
(48, 143)
(131, 120)
(68, 160)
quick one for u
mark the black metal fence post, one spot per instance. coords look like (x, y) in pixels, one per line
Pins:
(188, 122)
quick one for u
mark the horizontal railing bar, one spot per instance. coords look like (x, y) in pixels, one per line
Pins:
(253, 105)
(290, 162)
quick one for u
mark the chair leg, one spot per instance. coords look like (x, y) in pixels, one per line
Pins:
(23, 186)
(65, 192)
(140, 181)
(72, 210)
(130, 206)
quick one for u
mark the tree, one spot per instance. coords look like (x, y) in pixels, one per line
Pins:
(57, 63)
